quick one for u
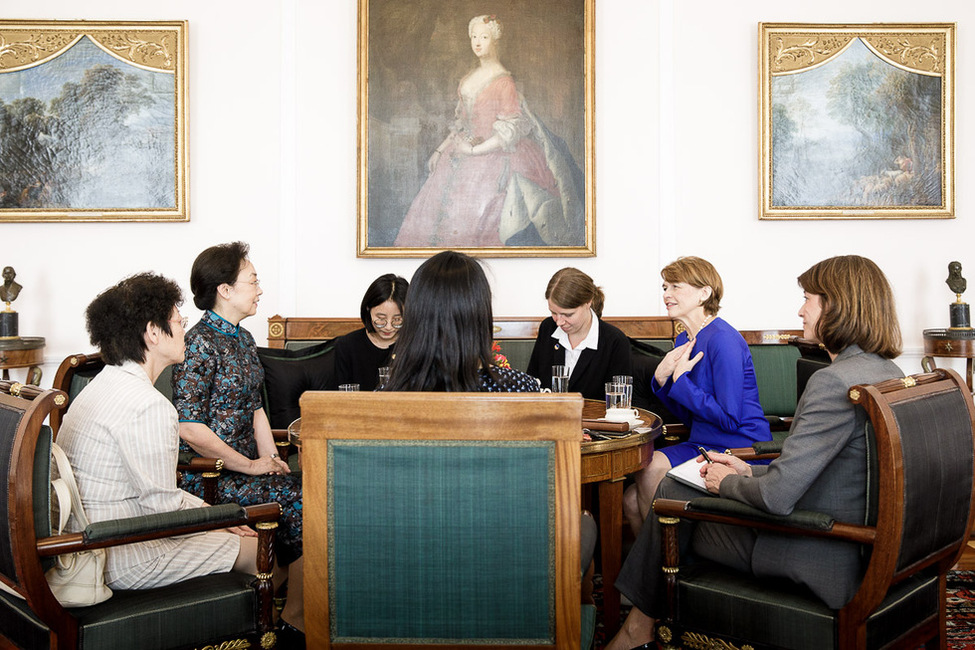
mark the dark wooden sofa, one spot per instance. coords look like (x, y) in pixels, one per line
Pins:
(296, 341)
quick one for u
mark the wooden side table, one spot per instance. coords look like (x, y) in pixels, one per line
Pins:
(23, 352)
(949, 343)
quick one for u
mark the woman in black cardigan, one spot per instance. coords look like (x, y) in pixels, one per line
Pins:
(575, 336)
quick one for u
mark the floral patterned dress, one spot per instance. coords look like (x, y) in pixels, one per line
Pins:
(219, 385)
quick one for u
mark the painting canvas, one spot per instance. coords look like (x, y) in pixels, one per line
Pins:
(476, 129)
(92, 121)
(857, 121)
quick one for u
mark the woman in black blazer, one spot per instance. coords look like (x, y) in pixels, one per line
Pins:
(574, 336)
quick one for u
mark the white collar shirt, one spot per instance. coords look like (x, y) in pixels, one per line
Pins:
(590, 342)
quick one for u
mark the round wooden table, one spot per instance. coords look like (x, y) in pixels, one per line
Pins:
(23, 352)
(606, 463)
(949, 343)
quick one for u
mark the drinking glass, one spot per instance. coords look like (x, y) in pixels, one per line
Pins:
(383, 377)
(616, 395)
(348, 387)
(560, 379)
(627, 381)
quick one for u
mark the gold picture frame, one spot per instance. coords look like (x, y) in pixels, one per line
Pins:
(856, 121)
(94, 121)
(501, 164)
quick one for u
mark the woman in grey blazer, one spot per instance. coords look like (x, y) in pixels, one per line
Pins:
(849, 308)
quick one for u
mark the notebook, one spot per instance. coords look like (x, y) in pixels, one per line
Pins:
(689, 473)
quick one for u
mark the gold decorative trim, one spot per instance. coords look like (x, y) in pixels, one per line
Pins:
(59, 400)
(15, 389)
(668, 520)
(269, 640)
(20, 50)
(276, 329)
(210, 474)
(909, 382)
(921, 53)
(803, 51)
(698, 641)
(266, 525)
(218, 464)
(147, 49)
(264, 576)
(672, 570)
(234, 644)
(664, 634)
(854, 395)
(74, 360)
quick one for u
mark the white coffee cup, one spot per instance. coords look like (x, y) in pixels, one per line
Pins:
(622, 415)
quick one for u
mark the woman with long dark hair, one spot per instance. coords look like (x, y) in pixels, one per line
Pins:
(445, 343)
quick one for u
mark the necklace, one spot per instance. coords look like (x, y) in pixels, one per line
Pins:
(703, 325)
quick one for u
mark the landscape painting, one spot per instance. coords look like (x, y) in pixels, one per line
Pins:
(857, 121)
(92, 121)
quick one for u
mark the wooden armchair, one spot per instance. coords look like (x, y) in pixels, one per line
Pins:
(920, 491)
(77, 370)
(442, 518)
(209, 609)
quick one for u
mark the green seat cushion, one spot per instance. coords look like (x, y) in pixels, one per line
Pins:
(721, 602)
(194, 612)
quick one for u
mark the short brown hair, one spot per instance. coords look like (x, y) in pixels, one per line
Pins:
(570, 288)
(857, 305)
(698, 273)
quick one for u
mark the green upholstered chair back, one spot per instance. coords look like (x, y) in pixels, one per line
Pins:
(456, 520)
(775, 373)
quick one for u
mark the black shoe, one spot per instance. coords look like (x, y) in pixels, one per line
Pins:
(290, 637)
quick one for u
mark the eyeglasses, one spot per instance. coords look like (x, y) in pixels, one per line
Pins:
(182, 320)
(256, 283)
(397, 322)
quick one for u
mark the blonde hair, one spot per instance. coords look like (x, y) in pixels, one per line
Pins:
(491, 21)
(570, 288)
(857, 305)
(698, 273)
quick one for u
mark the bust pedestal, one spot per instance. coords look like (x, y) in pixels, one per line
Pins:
(956, 343)
(23, 352)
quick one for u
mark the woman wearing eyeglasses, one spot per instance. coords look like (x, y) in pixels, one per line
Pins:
(217, 395)
(360, 354)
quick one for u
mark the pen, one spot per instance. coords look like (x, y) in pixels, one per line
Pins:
(705, 454)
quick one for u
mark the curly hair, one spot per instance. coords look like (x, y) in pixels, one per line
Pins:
(117, 318)
(215, 266)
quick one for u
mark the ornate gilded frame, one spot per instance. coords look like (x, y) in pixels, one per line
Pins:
(856, 121)
(411, 55)
(98, 113)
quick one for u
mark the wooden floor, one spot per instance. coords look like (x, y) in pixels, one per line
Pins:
(967, 562)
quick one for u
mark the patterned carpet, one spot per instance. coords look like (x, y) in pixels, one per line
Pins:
(961, 611)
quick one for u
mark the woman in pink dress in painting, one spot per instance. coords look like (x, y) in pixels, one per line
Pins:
(499, 178)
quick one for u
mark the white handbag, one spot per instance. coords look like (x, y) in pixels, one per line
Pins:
(77, 579)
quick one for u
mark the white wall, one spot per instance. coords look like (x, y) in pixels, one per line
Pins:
(273, 142)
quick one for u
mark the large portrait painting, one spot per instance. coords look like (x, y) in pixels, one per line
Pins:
(476, 129)
(92, 121)
(857, 121)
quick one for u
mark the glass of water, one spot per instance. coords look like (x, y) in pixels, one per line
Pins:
(560, 379)
(348, 387)
(618, 395)
(383, 377)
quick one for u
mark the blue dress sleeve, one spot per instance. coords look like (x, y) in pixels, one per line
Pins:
(722, 404)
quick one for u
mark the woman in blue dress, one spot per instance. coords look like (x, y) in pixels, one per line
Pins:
(707, 380)
(217, 394)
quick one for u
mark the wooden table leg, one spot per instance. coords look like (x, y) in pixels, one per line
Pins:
(611, 543)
